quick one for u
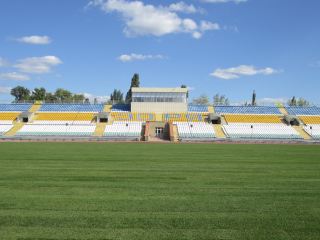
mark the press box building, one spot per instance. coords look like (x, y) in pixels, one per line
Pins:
(159, 100)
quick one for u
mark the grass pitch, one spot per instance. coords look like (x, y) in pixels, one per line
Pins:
(159, 191)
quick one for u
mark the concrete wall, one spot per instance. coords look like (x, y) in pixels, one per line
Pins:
(146, 107)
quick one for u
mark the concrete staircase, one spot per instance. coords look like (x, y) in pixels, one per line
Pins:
(211, 109)
(100, 129)
(218, 131)
(16, 127)
(175, 133)
(107, 108)
(302, 132)
(283, 110)
(35, 107)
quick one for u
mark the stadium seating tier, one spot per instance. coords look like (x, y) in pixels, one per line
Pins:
(303, 110)
(183, 117)
(8, 116)
(65, 117)
(310, 119)
(56, 130)
(241, 118)
(260, 131)
(71, 108)
(313, 130)
(247, 110)
(15, 107)
(5, 128)
(195, 130)
(197, 108)
(122, 129)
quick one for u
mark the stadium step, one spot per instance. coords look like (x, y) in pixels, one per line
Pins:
(146, 131)
(107, 108)
(283, 110)
(99, 131)
(35, 107)
(302, 132)
(16, 127)
(175, 133)
(211, 109)
(34, 117)
(218, 131)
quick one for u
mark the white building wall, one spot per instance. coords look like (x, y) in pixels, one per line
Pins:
(158, 107)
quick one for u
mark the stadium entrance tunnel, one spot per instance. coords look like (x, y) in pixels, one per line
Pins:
(292, 120)
(214, 118)
(103, 117)
(25, 117)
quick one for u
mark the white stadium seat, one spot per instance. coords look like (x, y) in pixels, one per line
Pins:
(5, 128)
(56, 130)
(123, 129)
(260, 130)
(195, 130)
(313, 130)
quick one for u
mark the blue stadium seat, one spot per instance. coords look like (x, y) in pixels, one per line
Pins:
(71, 108)
(21, 107)
(303, 110)
(197, 108)
(121, 108)
(247, 110)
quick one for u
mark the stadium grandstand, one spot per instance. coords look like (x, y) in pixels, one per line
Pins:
(158, 114)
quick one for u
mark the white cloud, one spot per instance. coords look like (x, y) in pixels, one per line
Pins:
(206, 26)
(242, 70)
(14, 76)
(36, 40)
(224, 1)
(138, 57)
(5, 90)
(3, 62)
(37, 65)
(184, 8)
(100, 99)
(146, 19)
(268, 101)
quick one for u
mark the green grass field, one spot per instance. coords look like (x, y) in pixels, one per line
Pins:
(159, 191)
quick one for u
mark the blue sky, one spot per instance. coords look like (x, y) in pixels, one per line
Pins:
(229, 47)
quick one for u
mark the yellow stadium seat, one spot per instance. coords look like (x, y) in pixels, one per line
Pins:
(183, 117)
(65, 116)
(8, 116)
(239, 118)
(310, 119)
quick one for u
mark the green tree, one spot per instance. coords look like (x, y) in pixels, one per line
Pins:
(78, 98)
(63, 95)
(254, 99)
(202, 100)
(303, 102)
(50, 98)
(185, 86)
(135, 82)
(220, 100)
(38, 94)
(300, 102)
(20, 93)
(116, 96)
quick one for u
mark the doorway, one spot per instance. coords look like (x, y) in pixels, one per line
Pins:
(159, 132)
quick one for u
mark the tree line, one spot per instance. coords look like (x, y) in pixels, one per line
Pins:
(22, 94)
